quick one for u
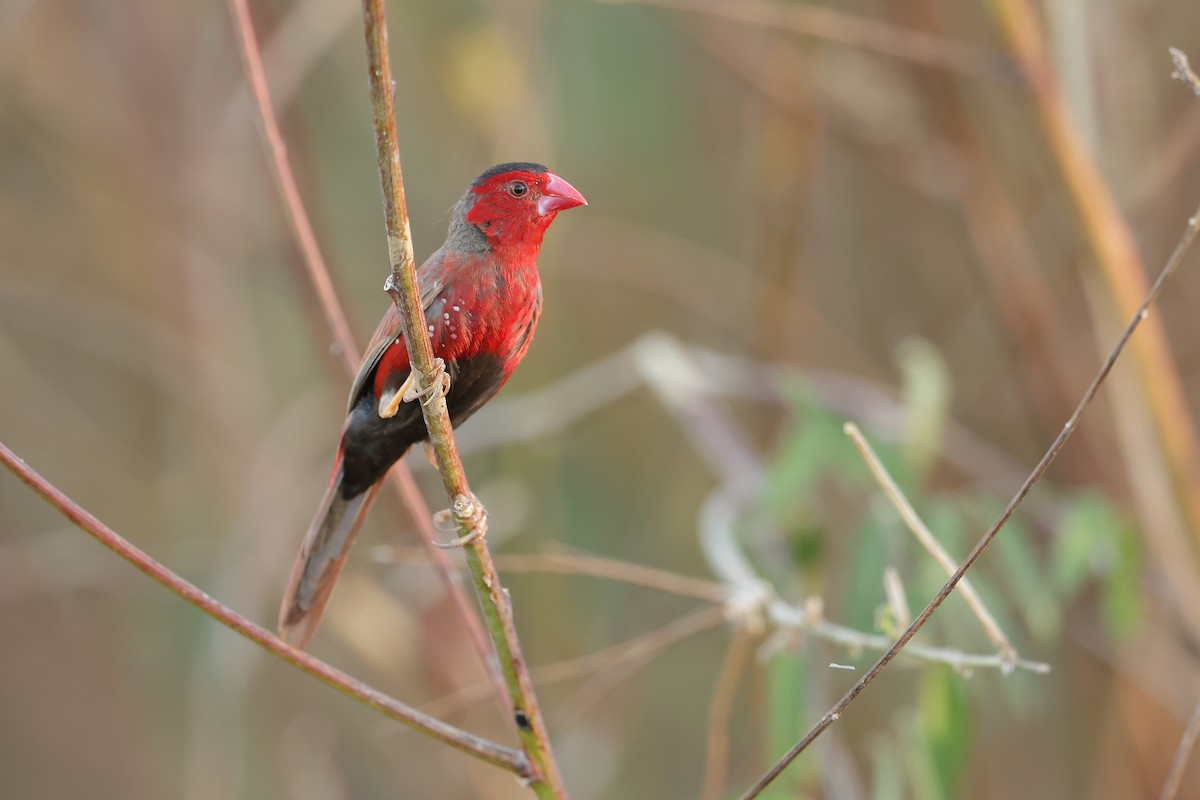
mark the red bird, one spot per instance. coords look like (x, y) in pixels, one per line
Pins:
(482, 298)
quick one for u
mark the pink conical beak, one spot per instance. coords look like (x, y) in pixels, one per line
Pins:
(558, 195)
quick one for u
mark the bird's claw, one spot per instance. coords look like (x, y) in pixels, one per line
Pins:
(439, 386)
(467, 512)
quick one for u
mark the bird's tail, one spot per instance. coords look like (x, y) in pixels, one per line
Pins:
(321, 558)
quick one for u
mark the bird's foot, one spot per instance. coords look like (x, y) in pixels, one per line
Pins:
(467, 512)
(439, 385)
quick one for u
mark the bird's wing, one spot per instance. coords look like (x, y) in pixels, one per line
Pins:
(430, 279)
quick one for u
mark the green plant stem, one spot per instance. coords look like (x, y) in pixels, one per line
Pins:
(479, 747)
(402, 286)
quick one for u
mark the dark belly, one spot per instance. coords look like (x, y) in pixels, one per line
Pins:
(370, 444)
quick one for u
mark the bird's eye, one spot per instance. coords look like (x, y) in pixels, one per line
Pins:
(517, 189)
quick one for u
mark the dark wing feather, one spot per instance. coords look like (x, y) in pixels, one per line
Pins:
(430, 279)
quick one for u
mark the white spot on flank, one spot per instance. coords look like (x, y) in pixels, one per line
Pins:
(454, 336)
(456, 308)
(446, 315)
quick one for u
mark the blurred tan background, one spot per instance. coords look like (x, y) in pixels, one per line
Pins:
(859, 205)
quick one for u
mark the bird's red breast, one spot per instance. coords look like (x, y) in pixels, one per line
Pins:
(480, 292)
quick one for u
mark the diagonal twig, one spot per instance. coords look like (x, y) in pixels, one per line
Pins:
(481, 748)
(1183, 70)
(604, 662)
(915, 524)
(844, 28)
(1186, 742)
(575, 563)
(469, 514)
(834, 713)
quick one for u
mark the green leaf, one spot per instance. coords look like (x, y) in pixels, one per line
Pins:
(926, 396)
(1121, 596)
(1019, 566)
(887, 771)
(944, 716)
(1085, 543)
(874, 543)
(786, 722)
(812, 447)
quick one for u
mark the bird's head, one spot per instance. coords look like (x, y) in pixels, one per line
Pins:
(513, 204)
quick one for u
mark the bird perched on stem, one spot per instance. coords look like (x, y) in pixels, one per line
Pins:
(482, 298)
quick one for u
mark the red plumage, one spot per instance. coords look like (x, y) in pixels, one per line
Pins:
(482, 298)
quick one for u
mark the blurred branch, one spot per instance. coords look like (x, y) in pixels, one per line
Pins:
(285, 182)
(592, 566)
(669, 369)
(680, 384)
(479, 747)
(1188, 741)
(720, 709)
(615, 376)
(844, 28)
(1185, 243)
(915, 524)
(468, 512)
(636, 651)
(335, 318)
(1112, 244)
(719, 542)
(1183, 70)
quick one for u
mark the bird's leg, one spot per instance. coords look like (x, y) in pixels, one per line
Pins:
(468, 512)
(390, 399)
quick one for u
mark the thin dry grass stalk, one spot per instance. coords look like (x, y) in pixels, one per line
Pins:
(914, 523)
(1188, 740)
(593, 567)
(720, 711)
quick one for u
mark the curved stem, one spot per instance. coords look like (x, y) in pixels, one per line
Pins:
(477, 746)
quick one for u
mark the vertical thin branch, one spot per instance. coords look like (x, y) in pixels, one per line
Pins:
(335, 317)
(720, 710)
(831, 716)
(469, 514)
(285, 181)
